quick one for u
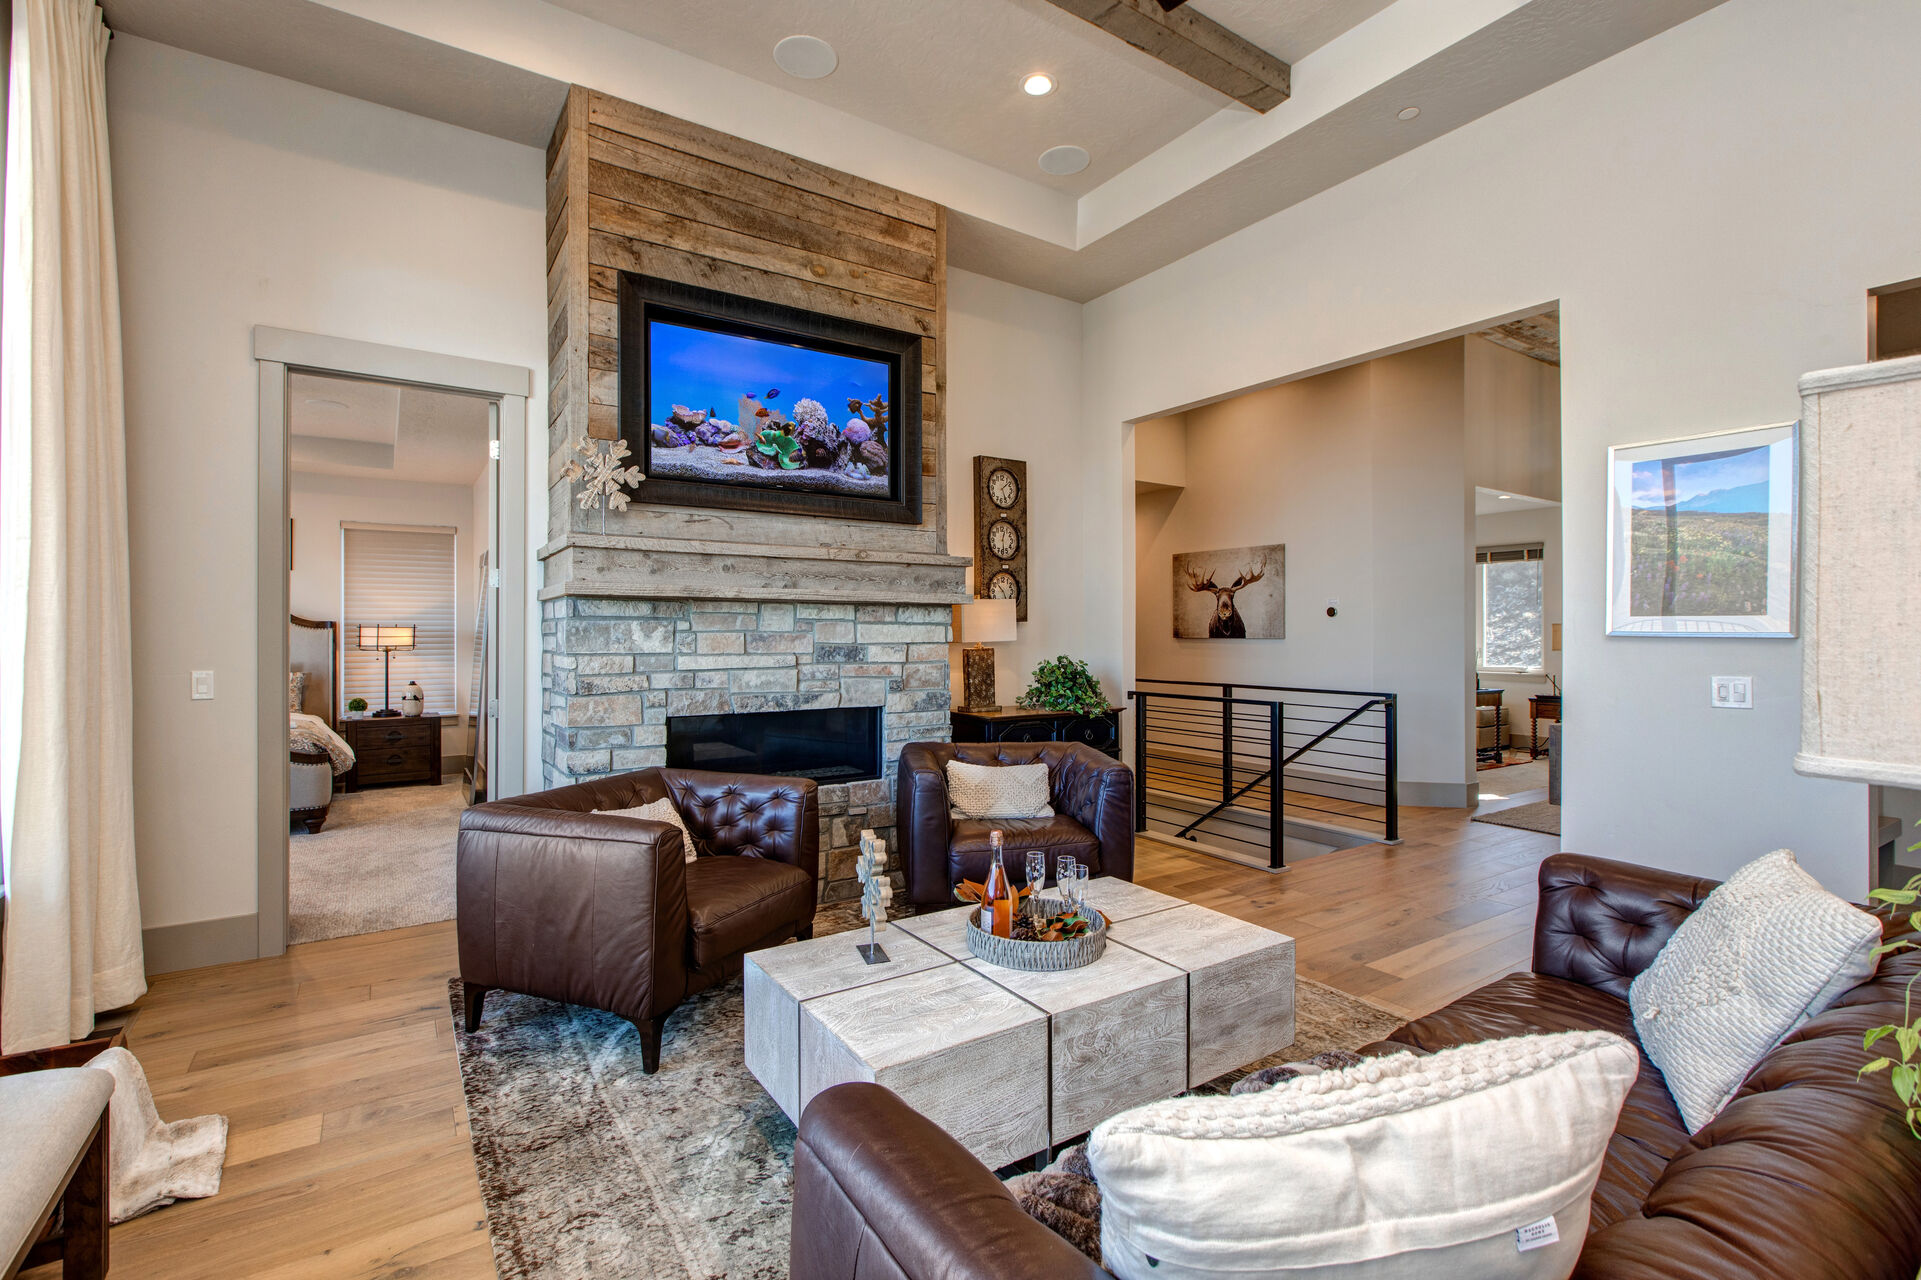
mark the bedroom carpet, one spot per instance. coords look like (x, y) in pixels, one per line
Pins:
(589, 1168)
(385, 860)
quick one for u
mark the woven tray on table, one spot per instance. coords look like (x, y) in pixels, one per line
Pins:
(1039, 957)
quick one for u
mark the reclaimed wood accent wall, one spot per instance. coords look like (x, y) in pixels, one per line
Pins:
(632, 189)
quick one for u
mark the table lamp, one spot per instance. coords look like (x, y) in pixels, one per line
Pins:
(386, 637)
(983, 622)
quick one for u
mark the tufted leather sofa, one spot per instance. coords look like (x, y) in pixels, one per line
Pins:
(1808, 1174)
(1092, 795)
(559, 901)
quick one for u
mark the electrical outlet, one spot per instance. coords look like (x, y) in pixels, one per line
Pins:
(202, 685)
(1731, 691)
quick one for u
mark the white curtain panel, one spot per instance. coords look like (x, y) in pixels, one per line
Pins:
(72, 943)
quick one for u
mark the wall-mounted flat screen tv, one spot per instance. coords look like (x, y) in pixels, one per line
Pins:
(731, 402)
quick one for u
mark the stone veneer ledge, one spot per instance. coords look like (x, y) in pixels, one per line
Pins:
(613, 671)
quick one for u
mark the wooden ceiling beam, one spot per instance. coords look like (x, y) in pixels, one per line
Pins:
(1192, 44)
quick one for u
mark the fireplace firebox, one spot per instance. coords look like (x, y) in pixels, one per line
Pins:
(838, 744)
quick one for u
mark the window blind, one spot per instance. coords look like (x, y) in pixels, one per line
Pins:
(1504, 555)
(399, 576)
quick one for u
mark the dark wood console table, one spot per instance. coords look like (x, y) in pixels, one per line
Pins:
(1019, 724)
(1546, 706)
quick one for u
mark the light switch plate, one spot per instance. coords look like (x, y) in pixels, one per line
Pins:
(202, 685)
(1731, 691)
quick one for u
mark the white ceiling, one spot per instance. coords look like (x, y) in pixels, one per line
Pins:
(381, 431)
(1493, 502)
(926, 95)
(949, 73)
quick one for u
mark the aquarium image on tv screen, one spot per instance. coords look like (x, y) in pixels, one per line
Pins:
(729, 409)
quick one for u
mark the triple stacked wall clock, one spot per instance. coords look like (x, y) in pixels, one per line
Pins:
(1000, 531)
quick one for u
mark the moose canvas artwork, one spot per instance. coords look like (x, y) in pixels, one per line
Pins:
(1237, 594)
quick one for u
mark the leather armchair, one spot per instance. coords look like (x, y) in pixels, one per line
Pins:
(1092, 795)
(1809, 1171)
(559, 901)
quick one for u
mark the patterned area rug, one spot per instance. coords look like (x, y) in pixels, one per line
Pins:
(1539, 816)
(590, 1168)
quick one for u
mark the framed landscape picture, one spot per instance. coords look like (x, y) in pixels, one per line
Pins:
(1701, 535)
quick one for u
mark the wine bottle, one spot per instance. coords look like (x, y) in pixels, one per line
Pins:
(997, 895)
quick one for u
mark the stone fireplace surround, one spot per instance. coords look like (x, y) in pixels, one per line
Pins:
(613, 670)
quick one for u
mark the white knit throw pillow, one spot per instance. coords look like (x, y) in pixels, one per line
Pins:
(1477, 1161)
(1768, 950)
(661, 810)
(998, 790)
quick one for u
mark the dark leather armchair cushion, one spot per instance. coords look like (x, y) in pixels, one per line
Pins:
(968, 852)
(734, 903)
(1093, 791)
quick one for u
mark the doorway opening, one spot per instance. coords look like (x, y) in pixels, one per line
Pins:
(1345, 512)
(393, 588)
(391, 525)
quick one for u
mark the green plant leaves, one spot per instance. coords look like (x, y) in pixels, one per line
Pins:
(1065, 684)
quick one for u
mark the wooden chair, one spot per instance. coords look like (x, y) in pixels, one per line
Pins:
(53, 1127)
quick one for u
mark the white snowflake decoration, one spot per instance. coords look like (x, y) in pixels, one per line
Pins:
(605, 477)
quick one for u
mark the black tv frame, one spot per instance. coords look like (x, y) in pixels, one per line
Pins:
(646, 298)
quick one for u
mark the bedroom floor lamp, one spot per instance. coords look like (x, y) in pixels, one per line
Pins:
(386, 638)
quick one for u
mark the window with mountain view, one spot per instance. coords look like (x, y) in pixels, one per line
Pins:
(1513, 627)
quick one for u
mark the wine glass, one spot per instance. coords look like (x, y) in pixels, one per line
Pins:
(1036, 873)
(1064, 865)
(1080, 886)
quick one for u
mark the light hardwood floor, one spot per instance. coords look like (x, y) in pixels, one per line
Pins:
(335, 1062)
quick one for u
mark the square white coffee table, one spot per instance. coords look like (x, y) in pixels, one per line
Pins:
(776, 981)
(962, 1051)
(1117, 1034)
(1007, 1061)
(1240, 983)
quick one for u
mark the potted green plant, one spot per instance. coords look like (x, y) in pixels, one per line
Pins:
(1904, 1072)
(356, 704)
(1065, 684)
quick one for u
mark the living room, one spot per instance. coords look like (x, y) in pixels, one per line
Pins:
(1700, 193)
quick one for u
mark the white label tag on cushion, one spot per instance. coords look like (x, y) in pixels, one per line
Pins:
(1536, 1235)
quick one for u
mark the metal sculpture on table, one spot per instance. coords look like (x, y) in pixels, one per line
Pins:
(876, 892)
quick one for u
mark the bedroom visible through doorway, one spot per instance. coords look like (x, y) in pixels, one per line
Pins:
(390, 496)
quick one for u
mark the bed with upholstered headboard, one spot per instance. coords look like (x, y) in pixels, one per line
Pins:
(313, 650)
(313, 688)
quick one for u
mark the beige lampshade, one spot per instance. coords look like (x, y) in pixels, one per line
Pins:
(386, 636)
(988, 622)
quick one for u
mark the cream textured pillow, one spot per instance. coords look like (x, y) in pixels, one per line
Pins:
(998, 790)
(661, 810)
(1768, 950)
(1477, 1161)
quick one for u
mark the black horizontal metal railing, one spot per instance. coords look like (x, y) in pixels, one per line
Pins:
(1240, 759)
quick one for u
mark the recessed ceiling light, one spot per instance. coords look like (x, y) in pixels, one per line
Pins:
(806, 57)
(1038, 85)
(1062, 161)
(327, 404)
(1504, 497)
(1407, 113)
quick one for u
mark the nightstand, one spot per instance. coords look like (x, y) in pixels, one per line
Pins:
(392, 749)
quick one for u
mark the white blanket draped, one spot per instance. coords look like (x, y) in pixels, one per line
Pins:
(66, 674)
